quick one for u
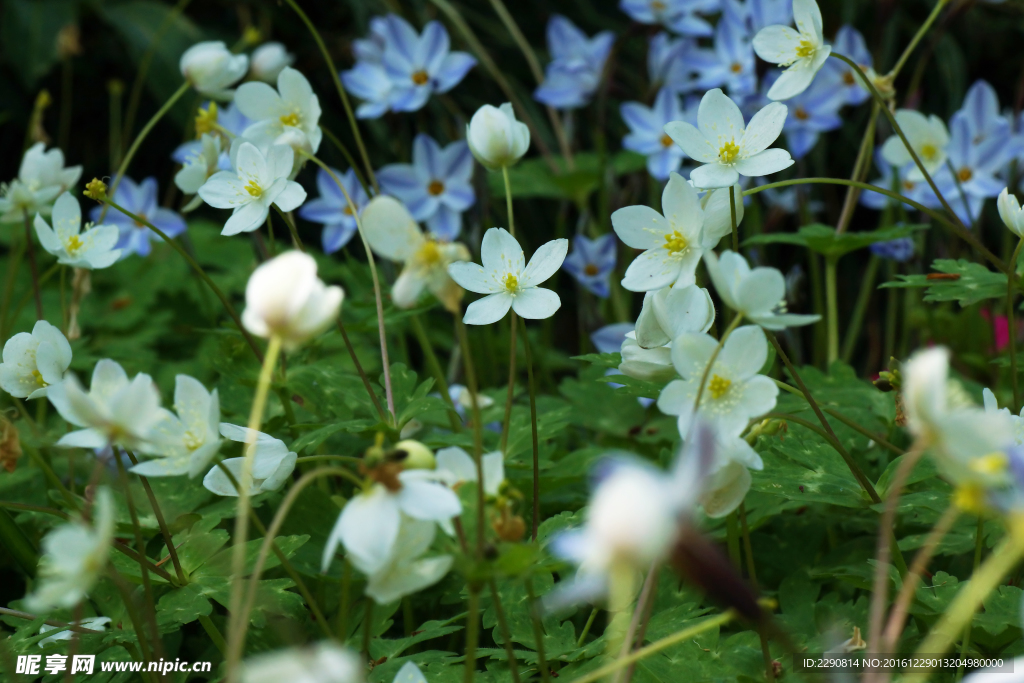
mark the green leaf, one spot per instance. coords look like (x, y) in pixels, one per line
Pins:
(533, 177)
(974, 282)
(220, 564)
(29, 30)
(428, 631)
(823, 239)
(182, 606)
(808, 472)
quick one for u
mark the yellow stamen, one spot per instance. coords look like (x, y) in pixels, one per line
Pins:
(666, 141)
(192, 442)
(253, 188)
(420, 77)
(728, 152)
(848, 78)
(805, 49)
(993, 463)
(929, 151)
(39, 378)
(429, 254)
(292, 119)
(511, 282)
(675, 242)
(206, 120)
(718, 386)
(435, 187)
(657, 6)
(73, 244)
(970, 498)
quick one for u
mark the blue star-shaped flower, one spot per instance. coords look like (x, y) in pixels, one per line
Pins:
(333, 210)
(140, 199)
(577, 64)
(592, 262)
(647, 132)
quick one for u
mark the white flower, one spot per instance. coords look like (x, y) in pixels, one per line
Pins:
(409, 673)
(803, 51)
(992, 406)
(199, 166)
(92, 249)
(268, 61)
(507, 282)
(285, 298)
(758, 294)
(673, 243)
(455, 466)
(189, 440)
(727, 147)
(272, 463)
(74, 556)
(289, 115)
(113, 412)
(495, 137)
(41, 179)
(671, 311)
(717, 216)
(393, 234)
(1010, 212)
(729, 477)
(649, 365)
(734, 392)
(92, 623)
(405, 571)
(212, 69)
(325, 662)
(257, 182)
(369, 524)
(34, 362)
(928, 137)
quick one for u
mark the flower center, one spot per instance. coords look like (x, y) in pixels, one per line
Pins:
(728, 152)
(929, 151)
(907, 185)
(993, 463)
(435, 187)
(139, 223)
(675, 242)
(511, 283)
(718, 386)
(191, 441)
(590, 269)
(657, 6)
(429, 254)
(736, 67)
(666, 141)
(965, 174)
(253, 188)
(72, 245)
(206, 120)
(970, 497)
(347, 210)
(420, 77)
(39, 378)
(801, 114)
(292, 119)
(805, 49)
(848, 78)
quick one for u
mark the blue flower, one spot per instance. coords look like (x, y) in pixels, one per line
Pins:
(592, 262)
(679, 16)
(435, 187)
(332, 209)
(577, 64)
(609, 338)
(975, 165)
(730, 64)
(850, 43)
(899, 250)
(647, 135)
(140, 199)
(399, 69)
(814, 111)
(758, 14)
(670, 63)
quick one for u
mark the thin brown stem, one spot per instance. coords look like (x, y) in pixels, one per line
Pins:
(31, 249)
(168, 541)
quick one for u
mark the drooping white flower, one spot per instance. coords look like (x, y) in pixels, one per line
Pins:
(325, 662)
(32, 363)
(268, 61)
(727, 147)
(495, 137)
(41, 179)
(802, 51)
(672, 311)
(759, 294)
(929, 138)
(729, 477)
(393, 234)
(200, 165)
(409, 673)
(91, 623)
(74, 556)
(733, 393)
(455, 466)
(114, 411)
(992, 406)
(508, 281)
(272, 463)
(673, 244)
(370, 523)
(285, 298)
(649, 365)
(289, 115)
(405, 571)
(257, 182)
(1011, 212)
(190, 439)
(92, 249)
(212, 68)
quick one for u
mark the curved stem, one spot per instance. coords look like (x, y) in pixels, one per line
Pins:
(860, 169)
(506, 635)
(435, 369)
(508, 201)
(362, 373)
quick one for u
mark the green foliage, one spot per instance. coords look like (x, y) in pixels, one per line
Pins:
(969, 284)
(823, 239)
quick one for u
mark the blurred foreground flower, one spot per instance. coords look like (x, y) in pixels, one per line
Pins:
(32, 363)
(268, 61)
(325, 662)
(272, 463)
(212, 68)
(42, 177)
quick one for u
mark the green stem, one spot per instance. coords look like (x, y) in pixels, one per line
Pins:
(877, 438)
(510, 394)
(586, 627)
(917, 38)
(14, 259)
(349, 159)
(508, 201)
(506, 635)
(538, 632)
(292, 230)
(867, 287)
(533, 430)
(215, 635)
(478, 435)
(832, 309)
(352, 460)
(362, 373)
(168, 540)
(30, 247)
(1011, 283)
(472, 634)
(979, 543)
(435, 369)
(860, 169)
(732, 214)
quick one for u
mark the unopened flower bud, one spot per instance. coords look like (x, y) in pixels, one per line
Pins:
(96, 189)
(495, 137)
(414, 455)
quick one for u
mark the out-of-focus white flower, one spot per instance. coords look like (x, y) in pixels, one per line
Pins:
(114, 411)
(729, 477)
(272, 463)
(1010, 212)
(212, 68)
(41, 179)
(726, 146)
(289, 115)
(285, 298)
(409, 673)
(929, 138)
(92, 623)
(200, 165)
(463, 399)
(74, 556)
(802, 51)
(495, 137)
(455, 466)
(759, 294)
(32, 363)
(393, 234)
(325, 662)
(671, 311)
(405, 571)
(650, 365)
(92, 249)
(189, 440)
(734, 391)
(672, 244)
(268, 61)
(992, 406)
(508, 280)
(257, 182)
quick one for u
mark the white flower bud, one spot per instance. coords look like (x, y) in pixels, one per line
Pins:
(1011, 212)
(211, 68)
(268, 60)
(285, 298)
(325, 662)
(495, 137)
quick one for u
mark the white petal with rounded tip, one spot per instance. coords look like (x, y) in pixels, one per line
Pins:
(545, 262)
(710, 176)
(761, 291)
(536, 303)
(792, 81)
(765, 163)
(390, 229)
(719, 119)
(691, 141)
(490, 309)
(500, 252)
(744, 353)
(764, 129)
(368, 527)
(681, 207)
(651, 270)
(777, 44)
(640, 227)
